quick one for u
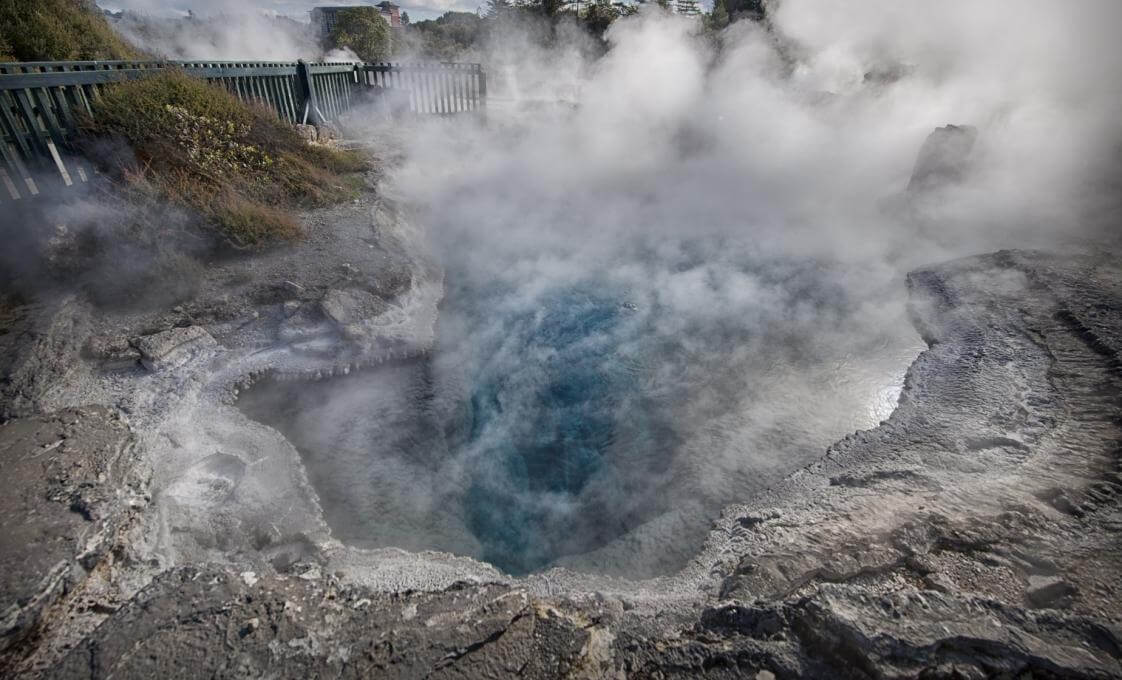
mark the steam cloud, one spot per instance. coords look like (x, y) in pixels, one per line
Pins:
(220, 36)
(669, 295)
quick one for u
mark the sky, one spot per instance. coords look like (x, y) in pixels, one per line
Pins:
(297, 9)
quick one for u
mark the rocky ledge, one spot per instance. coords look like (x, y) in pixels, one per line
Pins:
(976, 533)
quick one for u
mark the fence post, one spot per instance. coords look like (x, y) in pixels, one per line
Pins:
(482, 87)
(307, 87)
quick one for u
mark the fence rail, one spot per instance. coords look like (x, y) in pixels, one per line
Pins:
(447, 89)
(42, 103)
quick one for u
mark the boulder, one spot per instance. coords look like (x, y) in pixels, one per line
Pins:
(303, 321)
(943, 157)
(113, 351)
(172, 348)
(327, 133)
(352, 306)
(307, 132)
(1048, 591)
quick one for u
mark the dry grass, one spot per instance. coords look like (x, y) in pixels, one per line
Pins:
(251, 222)
(237, 166)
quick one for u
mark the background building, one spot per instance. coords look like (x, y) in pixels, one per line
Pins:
(324, 17)
(688, 8)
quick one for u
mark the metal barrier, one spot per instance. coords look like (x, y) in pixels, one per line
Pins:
(41, 103)
(441, 89)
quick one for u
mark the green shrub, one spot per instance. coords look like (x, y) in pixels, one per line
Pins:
(364, 30)
(445, 38)
(58, 30)
(146, 110)
(237, 166)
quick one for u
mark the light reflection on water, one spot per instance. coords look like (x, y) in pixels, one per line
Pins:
(586, 426)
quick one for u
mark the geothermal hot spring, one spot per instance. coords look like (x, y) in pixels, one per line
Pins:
(660, 300)
(595, 423)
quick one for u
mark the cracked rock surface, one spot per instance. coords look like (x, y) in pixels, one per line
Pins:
(975, 533)
(73, 488)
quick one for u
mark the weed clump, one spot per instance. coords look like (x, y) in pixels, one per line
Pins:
(58, 30)
(237, 166)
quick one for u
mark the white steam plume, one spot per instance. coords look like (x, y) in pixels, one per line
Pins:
(221, 36)
(718, 232)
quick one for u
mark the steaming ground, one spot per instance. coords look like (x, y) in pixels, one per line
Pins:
(661, 294)
(673, 276)
(595, 425)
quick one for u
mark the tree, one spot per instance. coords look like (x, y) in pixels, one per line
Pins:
(445, 38)
(719, 17)
(362, 29)
(599, 16)
(746, 9)
(625, 9)
(497, 8)
(405, 18)
(549, 9)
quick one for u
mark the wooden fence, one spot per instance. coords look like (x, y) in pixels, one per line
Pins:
(41, 103)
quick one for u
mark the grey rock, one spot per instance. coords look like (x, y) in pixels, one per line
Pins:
(319, 628)
(62, 248)
(939, 582)
(43, 353)
(113, 351)
(902, 634)
(943, 157)
(306, 132)
(1048, 591)
(172, 348)
(303, 322)
(352, 306)
(63, 504)
(327, 133)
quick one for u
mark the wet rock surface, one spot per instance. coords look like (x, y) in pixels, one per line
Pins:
(974, 534)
